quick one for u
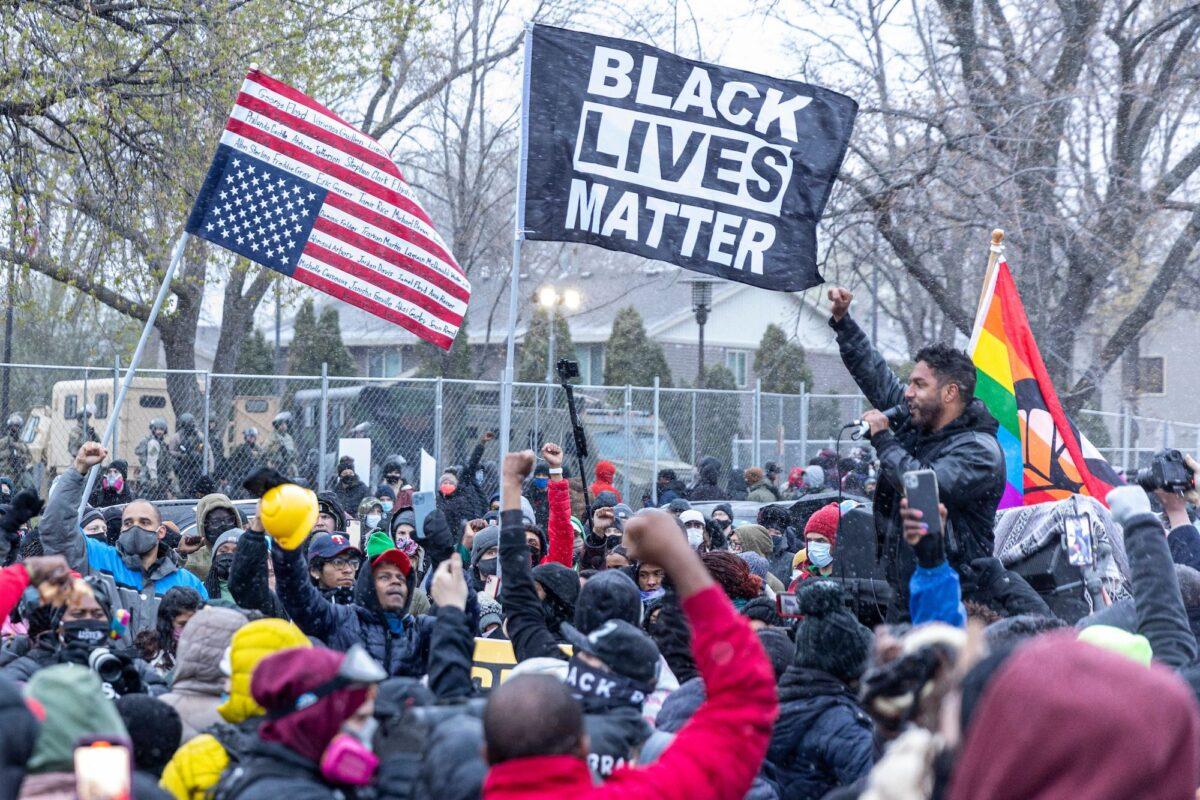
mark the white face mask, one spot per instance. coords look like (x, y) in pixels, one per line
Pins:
(695, 537)
(820, 554)
(372, 520)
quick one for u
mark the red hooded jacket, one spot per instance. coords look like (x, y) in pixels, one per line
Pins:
(605, 472)
(716, 755)
(1062, 720)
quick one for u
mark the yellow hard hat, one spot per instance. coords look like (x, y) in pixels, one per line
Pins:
(288, 513)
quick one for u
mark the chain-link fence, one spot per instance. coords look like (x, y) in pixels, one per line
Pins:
(225, 426)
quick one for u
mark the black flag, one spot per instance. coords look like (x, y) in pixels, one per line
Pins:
(717, 170)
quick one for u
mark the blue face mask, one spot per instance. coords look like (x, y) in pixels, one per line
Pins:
(541, 483)
(820, 553)
(386, 505)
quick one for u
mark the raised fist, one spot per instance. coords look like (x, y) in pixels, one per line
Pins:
(839, 302)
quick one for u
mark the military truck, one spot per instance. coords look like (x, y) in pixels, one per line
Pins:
(48, 429)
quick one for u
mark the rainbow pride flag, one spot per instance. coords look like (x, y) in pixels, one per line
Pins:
(1046, 457)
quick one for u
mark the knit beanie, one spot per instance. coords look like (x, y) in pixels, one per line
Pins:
(559, 582)
(824, 522)
(829, 638)
(490, 612)
(779, 649)
(610, 594)
(485, 540)
(377, 543)
(1133, 646)
(155, 729)
(758, 564)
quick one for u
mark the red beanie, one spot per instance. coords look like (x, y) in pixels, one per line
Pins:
(605, 471)
(824, 521)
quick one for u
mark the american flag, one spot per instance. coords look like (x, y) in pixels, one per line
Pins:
(295, 188)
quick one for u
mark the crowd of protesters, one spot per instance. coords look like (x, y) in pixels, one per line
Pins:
(324, 645)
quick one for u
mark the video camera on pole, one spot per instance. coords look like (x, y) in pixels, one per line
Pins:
(1168, 472)
(568, 370)
(895, 415)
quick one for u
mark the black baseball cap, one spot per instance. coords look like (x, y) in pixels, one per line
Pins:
(624, 648)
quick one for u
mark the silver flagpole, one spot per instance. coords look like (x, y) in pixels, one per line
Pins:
(111, 427)
(506, 388)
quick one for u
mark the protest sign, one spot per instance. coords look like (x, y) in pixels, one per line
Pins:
(717, 170)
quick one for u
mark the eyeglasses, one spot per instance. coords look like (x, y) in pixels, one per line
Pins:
(343, 563)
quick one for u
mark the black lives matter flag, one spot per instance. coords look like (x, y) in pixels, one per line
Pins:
(717, 170)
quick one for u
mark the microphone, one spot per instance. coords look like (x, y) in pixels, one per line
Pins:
(895, 414)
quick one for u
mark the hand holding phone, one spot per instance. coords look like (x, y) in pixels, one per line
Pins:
(103, 771)
(787, 606)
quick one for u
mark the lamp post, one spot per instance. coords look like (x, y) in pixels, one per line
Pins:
(550, 299)
(701, 305)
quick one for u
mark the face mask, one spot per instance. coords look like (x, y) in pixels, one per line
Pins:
(349, 762)
(406, 545)
(372, 520)
(600, 689)
(447, 489)
(541, 483)
(176, 633)
(348, 479)
(222, 564)
(116, 483)
(724, 523)
(819, 553)
(84, 634)
(695, 537)
(486, 566)
(137, 541)
(386, 505)
(653, 594)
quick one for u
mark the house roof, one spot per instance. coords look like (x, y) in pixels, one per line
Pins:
(607, 282)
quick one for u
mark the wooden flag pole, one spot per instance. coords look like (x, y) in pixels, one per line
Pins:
(995, 250)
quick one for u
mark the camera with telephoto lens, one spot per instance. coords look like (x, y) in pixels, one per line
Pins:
(567, 369)
(1167, 472)
(106, 665)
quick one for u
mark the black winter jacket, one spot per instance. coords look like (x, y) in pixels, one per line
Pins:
(526, 622)
(467, 502)
(248, 580)
(349, 495)
(822, 739)
(270, 771)
(965, 455)
(1161, 616)
(708, 472)
(361, 622)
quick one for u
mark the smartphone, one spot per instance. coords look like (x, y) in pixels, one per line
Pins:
(491, 586)
(921, 491)
(354, 531)
(103, 771)
(787, 606)
(1080, 542)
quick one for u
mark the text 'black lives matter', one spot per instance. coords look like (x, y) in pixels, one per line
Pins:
(717, 170)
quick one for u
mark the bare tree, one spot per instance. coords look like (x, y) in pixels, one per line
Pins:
(1073, 125)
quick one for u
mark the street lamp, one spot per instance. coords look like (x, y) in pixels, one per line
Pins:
(701, 305)
(549, 299)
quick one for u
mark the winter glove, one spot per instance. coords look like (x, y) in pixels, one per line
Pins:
(436, 537)
(25, 506)
(1126, 502)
